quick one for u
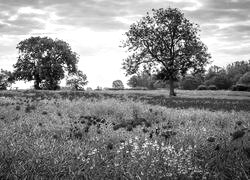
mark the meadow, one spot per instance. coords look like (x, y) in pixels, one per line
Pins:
(124, 135)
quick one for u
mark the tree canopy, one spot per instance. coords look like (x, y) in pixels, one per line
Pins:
(6, 79)
(77, 81)
(45, 61)
(165, 40)
(117, 84)
(237, 69)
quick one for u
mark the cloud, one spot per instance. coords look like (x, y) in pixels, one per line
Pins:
(94, 28)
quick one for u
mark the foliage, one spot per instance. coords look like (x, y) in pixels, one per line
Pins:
(89, 89)
(142, 79)
(245, 79)
(6, 79)
(237, 69)
(166, 40)
(133, 81)
(158, 84)
(214, 71)
(212, 87)
(45, 61)
(221, 81)
(118, 84)
(190, 83)
(77, 81)
(240, 87)
(202, 87)
(98, 88)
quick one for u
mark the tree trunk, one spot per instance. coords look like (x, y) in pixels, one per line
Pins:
(171, 87)
(37, 84)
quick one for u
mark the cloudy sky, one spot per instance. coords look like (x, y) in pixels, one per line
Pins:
(94, 29)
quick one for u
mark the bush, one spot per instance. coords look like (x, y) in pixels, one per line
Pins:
(245, 79)
(220, 81)
(240, 87)
(3, 87)
(212, 87)
(189, 83)
(138, 88)
(234, 88)
(113, 89)
(202, 87)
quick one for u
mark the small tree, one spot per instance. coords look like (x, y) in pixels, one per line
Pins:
(167, 40)
(133, 81)
(6, 79)
(117, 84)
(45, 61)
(245, 79)
(237, 69)
(77, 81)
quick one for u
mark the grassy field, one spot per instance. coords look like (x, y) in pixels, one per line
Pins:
(124, 135)
(219, 94)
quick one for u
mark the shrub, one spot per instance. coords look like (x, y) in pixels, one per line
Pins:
(245, 79)
(138, 88)
(189, 83)
(89, 89)
(220, 81)
(240, 87)
(212, 87)
(113, 89)
(3, 87)
(234, 88)
(202, 87)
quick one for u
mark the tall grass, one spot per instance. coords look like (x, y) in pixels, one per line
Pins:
(76, 139)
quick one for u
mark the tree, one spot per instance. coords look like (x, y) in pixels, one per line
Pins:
(77, 81)
(45, 61)
(214, 71)
(117, 84)
(245, 79)
(167, 40)
(237, 70)
(221, 81)
(143, 79)
(133, 81)
(218, 76)
(6, 79)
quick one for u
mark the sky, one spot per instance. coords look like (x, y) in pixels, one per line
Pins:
(95, 28)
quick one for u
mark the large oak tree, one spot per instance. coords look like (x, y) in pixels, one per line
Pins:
(167, 41)
(45, 61)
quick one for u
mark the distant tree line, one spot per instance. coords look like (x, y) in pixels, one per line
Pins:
(235, 76)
